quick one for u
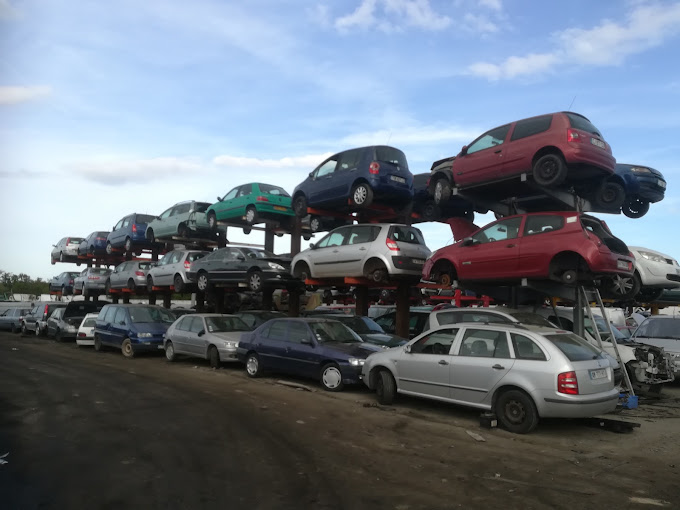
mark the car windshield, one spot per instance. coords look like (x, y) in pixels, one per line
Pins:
(75, 240)
(659, 328)
(604, 330)
(99, 270)
(141, 314)
(273, 190)
(219, 324)
(583, 124)
(333, 331)
(361, 325)
(391, 155)
(574, 347)
(532, 319)
(144, 265)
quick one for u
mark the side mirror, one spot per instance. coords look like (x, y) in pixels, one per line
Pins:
(307, 341)
(312, 245)
(219, 199)
(407, 348)
(463, 150)
(311, 175)
(468, 241)
(240, 257)
(201, 333)
(158, 217)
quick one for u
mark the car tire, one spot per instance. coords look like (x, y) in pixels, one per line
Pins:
(107, 287)
(149, 283)
(649, 295)
(127, 349)
(85, 292)
(442, 190)
(63, 290)
(109, 248)
(430, 211)
(301, 271)
(213, 357)
(300, 206)
(516, 412)
(251, 215)
(128, 245)
(61, 256)
(550, 170)
(183, 231)
(58, 336)
(178, 283)
(635, 207)
(37, 329)
(378, 275)
(610, 195)
(150, 236)
(53, 260)
(445, 279)
(212, 220)
(315, 223)
(623, 287)
(253, 366)
(23, 331)
(255, 280)
(98, 344)
(362, 195)
(385, 388)
(202, 282)
(169, 351)
(331, 377)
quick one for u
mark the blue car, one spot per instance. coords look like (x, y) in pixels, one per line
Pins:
(129, 233)
(321, 349)
(132, 328)
(354, 179)
(644, 185)
(94, 244)
(425, 206)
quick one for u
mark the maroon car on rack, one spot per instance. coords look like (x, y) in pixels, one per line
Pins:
(568, 247)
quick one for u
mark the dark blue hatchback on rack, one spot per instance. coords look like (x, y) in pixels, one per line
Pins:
(644, 186)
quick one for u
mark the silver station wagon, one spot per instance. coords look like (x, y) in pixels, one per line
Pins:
(522, 373)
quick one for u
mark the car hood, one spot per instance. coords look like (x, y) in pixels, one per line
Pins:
(383, 339)
(230, 336)
(356, 350)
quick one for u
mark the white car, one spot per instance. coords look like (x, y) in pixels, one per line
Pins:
(85, 335)
(655, 271)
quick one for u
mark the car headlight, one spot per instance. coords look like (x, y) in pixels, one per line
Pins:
(144, 335)
(652, 256)
(356, 362)
(274, 265)
(230, 345)
(640, 170)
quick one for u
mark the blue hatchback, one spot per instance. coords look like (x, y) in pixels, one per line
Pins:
(354, 179)
(129, 233)
(425, 206)
(321, 349)
(94, 244)
(132, 328)
(644, 185)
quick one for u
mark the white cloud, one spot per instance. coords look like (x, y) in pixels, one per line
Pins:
(609, 43)
(117, 172)
(479, 23)
(21, 94)
(308, 161)
(495, 5)
(409, 136)
(7, 11)
(390, 15)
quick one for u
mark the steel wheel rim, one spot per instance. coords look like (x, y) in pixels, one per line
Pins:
(445, 279)
(514, 411)
(252, 365)
(169, 351)
(548, 170)
(202, 282)
(315, 225)
(37, 330)
(608, 194)
(332, 377)
(127, 348)
(360, 195)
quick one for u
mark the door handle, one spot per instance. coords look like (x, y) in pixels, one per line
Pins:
(498, 151)
(336, 251)
(498, 367)
(443, 362)
(510, 246)
(362, 249)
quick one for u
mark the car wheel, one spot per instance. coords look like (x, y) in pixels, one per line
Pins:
(107, 288)
(98, 344)
(442, 190)
(86, 292)
(430, 211)
(109, 248)
(127, 349)
(214, 357)
(516, 412)
(58, 336)
(255, 281)
(385, 388)
(202, 282)
(623, 287)
(183, 231)
(445, 279)
(150, 236)
(149, 283)
(362, 195)
(649, 295)
(128, 244)
(63, 290)
(212, 220)
(378, 275)
(37, 329)
(178, 283)
(251, 215)
(331, 377)
(24, 331)
(569, 276)
(247, 230)
(253, 367)
(610, 195)
(315, 224)
(550, 170)
(61, 256)
(635, 207)
(13, 328)
(301, 271)
(53, 260)
(169, 351)
(90, 251)
(300, 206)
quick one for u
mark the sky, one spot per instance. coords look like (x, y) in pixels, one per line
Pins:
(109, 108)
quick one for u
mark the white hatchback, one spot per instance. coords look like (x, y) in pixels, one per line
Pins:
(85, 335)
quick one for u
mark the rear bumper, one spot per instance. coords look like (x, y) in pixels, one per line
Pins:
(584, 154)
(579, 406)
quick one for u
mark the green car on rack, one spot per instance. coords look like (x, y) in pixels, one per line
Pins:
(251, 203)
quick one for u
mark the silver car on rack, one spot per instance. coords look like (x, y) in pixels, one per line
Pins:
(172, 270)
(129, 275)
(378, 251)
(522, 373)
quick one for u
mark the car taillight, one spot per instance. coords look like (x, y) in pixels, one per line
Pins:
(374, 168)
(392, 244)
(70, 282)
(68, 240)
(134, 228)
(139, 273)
(262, 199)
(574, 136)
(187, 264)
(567, 383)
(81, 335)
(101, 239)
(47, 307)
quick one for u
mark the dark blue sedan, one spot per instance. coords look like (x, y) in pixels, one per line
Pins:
(321, 349)
(644, 185)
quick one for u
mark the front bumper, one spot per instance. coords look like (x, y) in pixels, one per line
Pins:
(152, 344)
(228, 355)
(351, 374)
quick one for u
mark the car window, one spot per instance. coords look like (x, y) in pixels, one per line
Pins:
(185, 323)
(297, 332)
(219, 324)
(142, 265)
(484, 343)
(200, 206)
(386, 321)
(439, 342)
(349, 160)
(335, 238)
(166, 213)
(231, 194)
(542, 223)
(391, 155)
(277, 330)
(273, 190)
(118, 225)
(165, 259)
(659, 328)
(404, 234)
(195, 255)
(57, 314)
(126, 222)
(145, 314)
(88, 323)
(110, 314)
(526, 348)
(245, 190)
(249, 319)
(500, 231)
(574, 347)
(529, 127)
(181, 209)
(453, 316)
(363, 234)
(176, 257)
(196, 325)
(579, 122)
(326, 169)
(333, 331)
(121, 317)
(489, 139)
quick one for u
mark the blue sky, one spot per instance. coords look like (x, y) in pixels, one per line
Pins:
(108, 108)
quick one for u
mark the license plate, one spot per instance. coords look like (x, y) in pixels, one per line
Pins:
(279, 208)
(662, 184)
(622, 264)
(398, 179)
(600, 373)
(598, 143)
(418, 261)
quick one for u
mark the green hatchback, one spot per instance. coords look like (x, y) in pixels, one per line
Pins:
(251, 203)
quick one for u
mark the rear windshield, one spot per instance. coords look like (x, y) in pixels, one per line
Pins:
(75, 240)
(140, 314)
(144, 218)
(391, 155)
(574, 347)
(583, 124)
(201, 206)
(144, 265)
(406, 235)
(74, 275)
(100, 270)
(89, 323)
(273, 190)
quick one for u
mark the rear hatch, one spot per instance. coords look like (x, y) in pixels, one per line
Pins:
(582, 130)
(408, 242)
(274, 196)
(599, 228)
(392, 163)
(98, 274)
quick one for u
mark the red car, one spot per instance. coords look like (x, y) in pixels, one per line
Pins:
(558, 150)
(569, 247)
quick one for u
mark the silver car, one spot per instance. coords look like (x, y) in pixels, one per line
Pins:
(661, 331)
(656, 272)
(64, 322)
(12, 318)
(522, 373)
(376, 251)
(209, 336)
(91, 281)
(172, 270)
(185, 219)
(129, 275)
(66, 250)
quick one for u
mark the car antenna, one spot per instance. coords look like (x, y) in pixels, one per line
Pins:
(571, 104)
(389, 138)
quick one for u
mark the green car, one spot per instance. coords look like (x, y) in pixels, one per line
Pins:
(185, 220)
(251, 203)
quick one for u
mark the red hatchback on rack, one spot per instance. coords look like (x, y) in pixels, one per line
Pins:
(569, 247)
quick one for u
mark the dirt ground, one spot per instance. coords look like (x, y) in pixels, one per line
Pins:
(93, 430)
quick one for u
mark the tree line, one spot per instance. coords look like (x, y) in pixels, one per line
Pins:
(21, 283)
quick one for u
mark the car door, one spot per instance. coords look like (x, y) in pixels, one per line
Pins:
(320, 187)
(116, 236)
(161, 274)
(118, 328)
(225, 208)
(482, 359)
(325, 258)
(197, 340)
(242, 200)
(178, 336)
(541, 238)
(271, 345)
(493, 253)
(423, 365)
(163, 226)
(483, 159)
(222, 265)
(301, 351)
(53, 322)
(118, 277)
(357, 249)
(526, 137)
